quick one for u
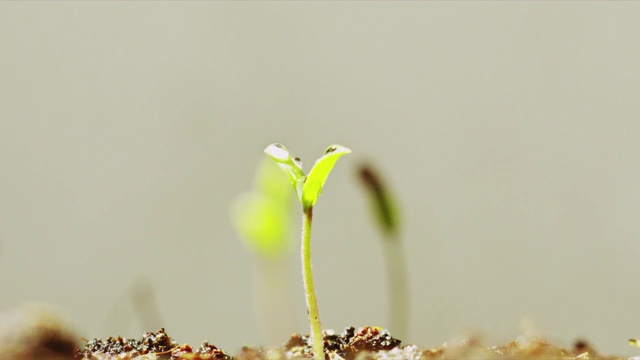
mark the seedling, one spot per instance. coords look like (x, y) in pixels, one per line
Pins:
(262, 218)
(308, 188)
(138, 303)
(387, 217)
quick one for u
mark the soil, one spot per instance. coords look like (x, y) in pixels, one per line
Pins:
(365, 343)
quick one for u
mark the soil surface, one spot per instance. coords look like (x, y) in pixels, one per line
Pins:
(365, 343)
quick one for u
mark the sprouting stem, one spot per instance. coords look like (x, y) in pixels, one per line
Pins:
(387, 216)
(397, 280)
(309, 287)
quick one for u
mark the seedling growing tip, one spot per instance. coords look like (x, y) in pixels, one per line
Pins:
(308, 188)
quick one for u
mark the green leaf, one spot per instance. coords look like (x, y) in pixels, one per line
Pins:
(319, 173)
(262, 217)
(264, 223)
(291, 166)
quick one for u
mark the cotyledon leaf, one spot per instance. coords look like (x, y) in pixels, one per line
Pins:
(291, 166)
(319, 173)
(263, 223)
(262, 216)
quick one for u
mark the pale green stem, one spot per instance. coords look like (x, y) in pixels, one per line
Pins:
(398, 289)
(309, 287)
(273, 299)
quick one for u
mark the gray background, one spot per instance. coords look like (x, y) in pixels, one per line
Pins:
(508, 130)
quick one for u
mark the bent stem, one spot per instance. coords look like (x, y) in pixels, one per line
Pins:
(309, 287)
(387, 217)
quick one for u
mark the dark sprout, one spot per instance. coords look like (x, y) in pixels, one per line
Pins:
(384, 208)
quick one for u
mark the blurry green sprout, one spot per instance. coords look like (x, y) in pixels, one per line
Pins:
(308, 188)
(263, 216)
(381, 201)
(263, 219)
(386, 214)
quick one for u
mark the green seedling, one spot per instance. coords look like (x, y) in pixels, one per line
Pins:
(308, 188)
(262, 218)
(138, 303)
(386, 213)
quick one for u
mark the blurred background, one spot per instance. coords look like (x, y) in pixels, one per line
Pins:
(509, 133)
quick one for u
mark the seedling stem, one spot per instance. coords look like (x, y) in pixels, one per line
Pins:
(309, 286)
(398, 289)
(388, 218)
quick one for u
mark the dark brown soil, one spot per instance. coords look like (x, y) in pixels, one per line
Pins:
(158, 345)
(347, 345)
(366, 343)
